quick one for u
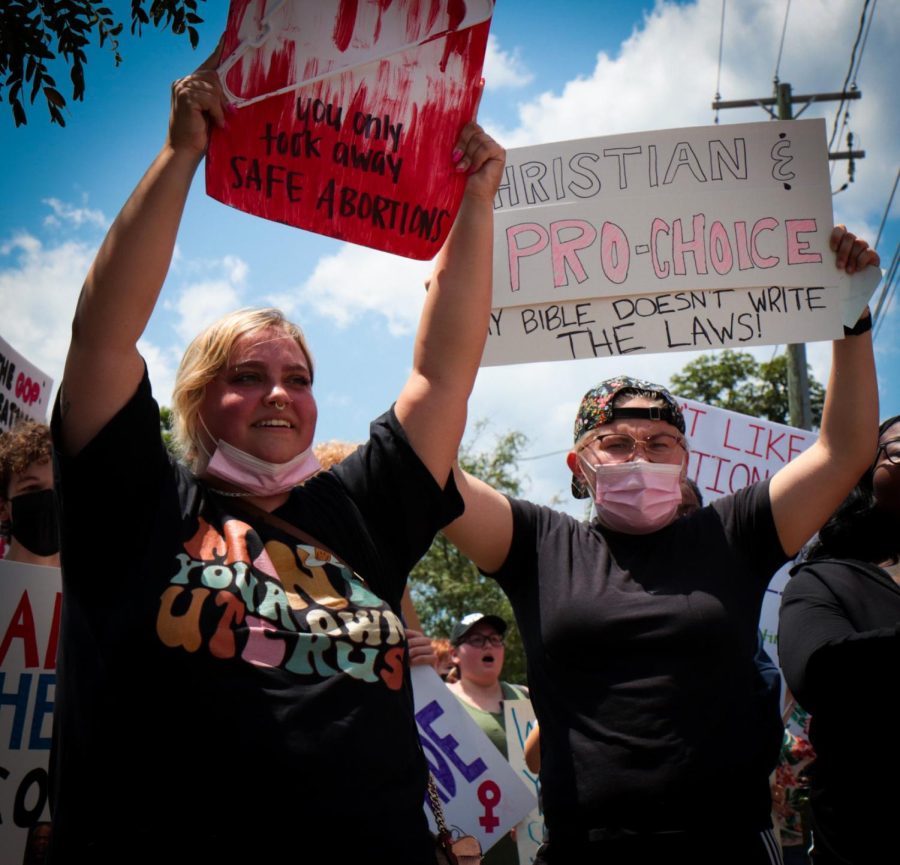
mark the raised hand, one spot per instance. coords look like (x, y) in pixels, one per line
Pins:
(197, 100)
(482, 158)
(851, 252)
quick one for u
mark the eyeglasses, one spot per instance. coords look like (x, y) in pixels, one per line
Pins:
(619, 448)
(480, 641)
(891, 451)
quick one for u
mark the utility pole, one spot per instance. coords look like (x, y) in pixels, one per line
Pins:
(783, 101)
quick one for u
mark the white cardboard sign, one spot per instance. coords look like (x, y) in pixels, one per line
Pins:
(519, 720)
(679, 209)
(30, 598)
(671, 321)
(24, 389)
(673, 240)
(480, 792)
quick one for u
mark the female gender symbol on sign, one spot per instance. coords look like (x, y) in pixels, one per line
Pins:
(489, 795)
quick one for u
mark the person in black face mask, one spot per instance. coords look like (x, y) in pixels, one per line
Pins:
(27, 507)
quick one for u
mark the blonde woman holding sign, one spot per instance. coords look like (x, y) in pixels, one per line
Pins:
(640, 628)
(233, 677)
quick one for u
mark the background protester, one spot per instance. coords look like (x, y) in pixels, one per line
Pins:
(477, 657)
(443, 661)
(640, 628)
(839, 643)
(233, 675)
(28, 514)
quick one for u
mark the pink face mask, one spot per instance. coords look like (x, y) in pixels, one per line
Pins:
(256, 476)
(637, 498)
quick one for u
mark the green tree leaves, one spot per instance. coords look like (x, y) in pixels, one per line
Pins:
(735, 380)
(445, 585)
(36, 35)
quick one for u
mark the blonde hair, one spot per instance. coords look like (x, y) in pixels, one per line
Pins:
(204, 358)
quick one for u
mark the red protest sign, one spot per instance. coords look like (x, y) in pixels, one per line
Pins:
(346, 113)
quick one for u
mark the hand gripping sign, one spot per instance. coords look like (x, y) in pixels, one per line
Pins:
(346, 112)
(671, 240)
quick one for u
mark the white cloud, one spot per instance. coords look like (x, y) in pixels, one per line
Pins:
(39, 286)
(504, 69)
(161, 366)
(356, 281)
(77, 217)
(215, 287)
(201, 303)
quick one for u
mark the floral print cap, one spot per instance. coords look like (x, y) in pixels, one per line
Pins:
(597, 409)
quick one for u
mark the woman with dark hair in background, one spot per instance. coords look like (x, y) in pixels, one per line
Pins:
(839, 647)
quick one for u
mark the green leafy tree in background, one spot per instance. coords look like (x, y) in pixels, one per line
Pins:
(166, 421)
(445, 585)
(35, 34)
(735, 380)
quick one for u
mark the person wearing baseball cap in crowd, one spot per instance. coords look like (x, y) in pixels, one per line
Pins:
(640, 626)
(477, 654)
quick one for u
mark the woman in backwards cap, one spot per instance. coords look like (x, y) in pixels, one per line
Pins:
(640, 627)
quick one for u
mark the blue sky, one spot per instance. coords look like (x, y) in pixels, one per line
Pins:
(554, 72)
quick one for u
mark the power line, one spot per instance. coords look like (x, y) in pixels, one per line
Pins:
(541, 456)
(864, 41)
(856, 43)
(781, 46)
(719, 73)
(879, 313)
(887, 210)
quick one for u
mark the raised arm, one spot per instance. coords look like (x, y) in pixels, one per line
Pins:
(484, 532)
(454, 324)
(807, 490)
(103, 366)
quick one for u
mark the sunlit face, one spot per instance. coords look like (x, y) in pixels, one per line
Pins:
(479, 665)
(265, 370)
(588, 454)
(886, 477)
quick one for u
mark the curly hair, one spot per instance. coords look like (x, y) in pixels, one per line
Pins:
(859, 529)
(332, 452)
(27, 442)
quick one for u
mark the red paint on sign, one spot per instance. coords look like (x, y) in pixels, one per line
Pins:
(362, 151)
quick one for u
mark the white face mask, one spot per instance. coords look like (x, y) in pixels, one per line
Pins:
(637, 498)
(256, 476)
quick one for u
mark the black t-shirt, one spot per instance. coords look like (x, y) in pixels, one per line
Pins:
(839, 645)
(224, 688)
(640, 653)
